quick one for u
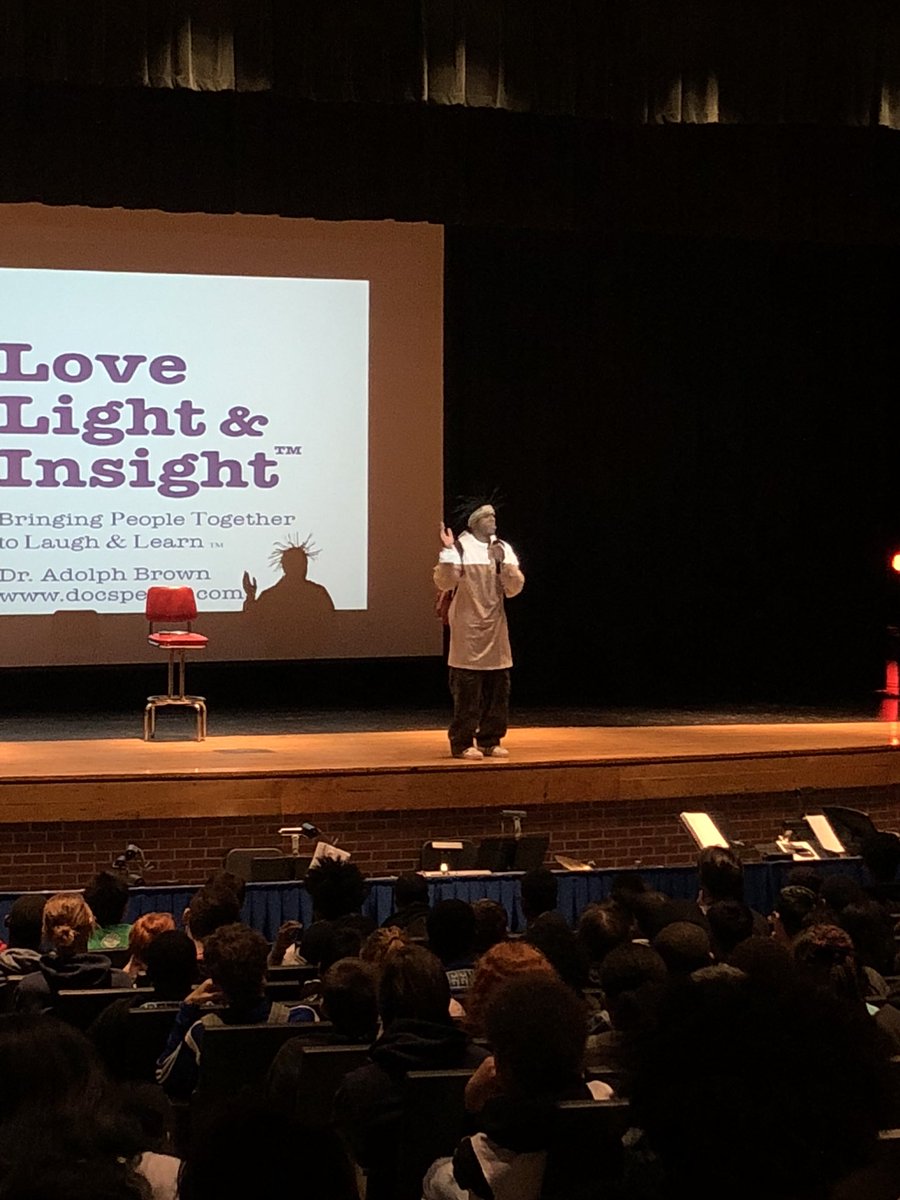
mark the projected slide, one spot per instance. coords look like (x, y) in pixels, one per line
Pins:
(144, 439)
(248, 405)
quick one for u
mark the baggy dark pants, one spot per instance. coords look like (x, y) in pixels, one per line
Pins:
(480, 708)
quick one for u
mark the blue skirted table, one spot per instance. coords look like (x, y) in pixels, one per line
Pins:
(268, 905)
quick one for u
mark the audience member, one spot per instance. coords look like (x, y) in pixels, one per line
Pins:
(380, 943)
(142, 933)
(881, 855)
(837, 891)
(768, 962)
(418, 1034)
(338, 891)
(683, 947)
(107, 898)
(235, 958)
(602, 927)
(792, 907)
(350, 1003)
(67, 924)
(228, 881)
(451, 936)
(724, 1064)
(559, 945)
(721, 875)
(804, 875)
(210, 909)
(539, 892)
(60, 1115)
(171, 965)
(491, 925)
(632, 978)
(494, 967)
(411, 905)
(872, 931)
(730, 923)
(24, 923)
(537, 1031)
(624, 887)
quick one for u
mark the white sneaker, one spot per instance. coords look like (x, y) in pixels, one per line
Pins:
(496, 752)
(470, 752)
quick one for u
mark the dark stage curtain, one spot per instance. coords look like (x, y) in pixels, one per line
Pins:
(629, 61)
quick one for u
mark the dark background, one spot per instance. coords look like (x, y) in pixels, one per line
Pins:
(671, 349)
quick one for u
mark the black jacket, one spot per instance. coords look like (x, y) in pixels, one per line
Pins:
(56, 973)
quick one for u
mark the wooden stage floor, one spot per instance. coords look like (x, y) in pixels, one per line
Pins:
(126, 778)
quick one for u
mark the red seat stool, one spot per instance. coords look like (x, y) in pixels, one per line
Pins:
(168, 606)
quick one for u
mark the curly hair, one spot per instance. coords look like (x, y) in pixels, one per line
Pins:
(495, 966)
(235, 957)
(336, 888)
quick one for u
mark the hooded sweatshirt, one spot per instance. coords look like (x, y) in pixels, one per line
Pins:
(369, 1103)
(19, 960)
(58, 973)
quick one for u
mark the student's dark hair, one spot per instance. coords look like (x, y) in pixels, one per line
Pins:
(632, 978)
(625, 886)
(838, 891)
(349, 998)
(336, 887)
(602, 927)
(804, 876)
(229, 881)
(171, 964)
(410, 889)
(537, 1029)
(824, 956)
(235, 957)
(872, 931)
(653, 911)
(107, 897)
(683, 947)
(491, 925)
(561, 948)
(881, 855)
(325, 942)
(49, 1175)
(210, 909)
(45, 1062)
(721, 873)
(793, 905)
(451, 930)
(413, 985)
(24, 921)
(769, 963)
(725, 1062)
(730, 923)
(539, 891)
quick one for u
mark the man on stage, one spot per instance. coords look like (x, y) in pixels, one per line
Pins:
(480, 571)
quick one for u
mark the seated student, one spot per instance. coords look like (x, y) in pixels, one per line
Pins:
(142, 933)
(491, 925)
(872, 931)
(633, 978)
(418, 1034)
(451, 936)
(380, 943)
(211, 908)
(498, 964)
(793, 906)
(730, 923)
(881, 855)
(539, 893)
(602, 927)
(350, 1003)
(61, 1119)
(537, 1029)
(562, 949)
(23, 923)
(235, 958)
(107, 898)
(773, 1093)
(411, 905)
(171, 967)
(684, 948)
(721, 875)
(67, 924)
(338, 891)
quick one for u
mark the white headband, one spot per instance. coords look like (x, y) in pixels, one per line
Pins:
(485, 510)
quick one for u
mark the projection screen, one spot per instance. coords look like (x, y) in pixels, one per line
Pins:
(248, 405)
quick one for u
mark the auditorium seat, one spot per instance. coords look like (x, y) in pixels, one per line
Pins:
(304, 1079)
(585, 1148)
(434, 1116)
(82, 1007)
(237, 1056)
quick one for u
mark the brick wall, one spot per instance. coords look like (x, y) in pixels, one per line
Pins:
(610, 834)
